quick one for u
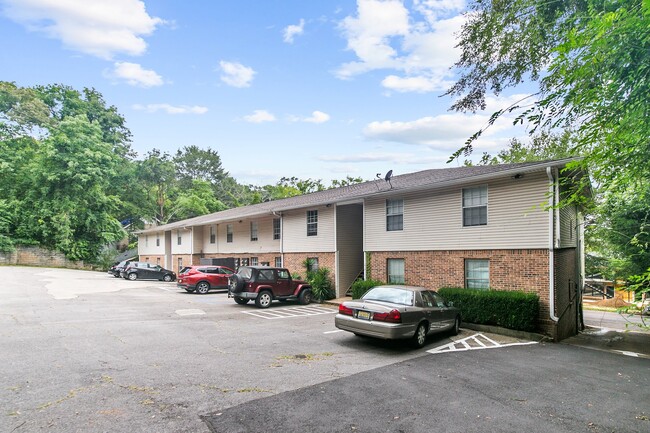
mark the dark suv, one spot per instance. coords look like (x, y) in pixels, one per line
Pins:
(147, 271)
(264, 284)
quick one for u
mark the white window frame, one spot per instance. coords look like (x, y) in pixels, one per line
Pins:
(394, 215)
(253, 231)
(213, 234)
(475, 199)
(395, 271)
(312, 223)
(229, 233)
(476, 278)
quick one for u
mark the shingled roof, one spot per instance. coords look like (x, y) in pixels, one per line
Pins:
(426, 179)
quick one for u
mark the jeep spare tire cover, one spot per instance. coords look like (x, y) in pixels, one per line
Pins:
(235, 283)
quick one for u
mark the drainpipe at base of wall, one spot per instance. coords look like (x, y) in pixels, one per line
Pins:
(551, 245)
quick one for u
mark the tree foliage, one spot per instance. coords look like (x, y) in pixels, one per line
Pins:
(590, 60)
(70, 181)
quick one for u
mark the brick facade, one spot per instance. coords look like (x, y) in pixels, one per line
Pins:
(294, 262)
(524, 270)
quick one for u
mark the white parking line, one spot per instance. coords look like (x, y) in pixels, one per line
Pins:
(474, 342)
(285, 313)
(190, 312)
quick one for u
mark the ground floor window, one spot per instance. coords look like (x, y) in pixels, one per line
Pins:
(395, 270)
(180, 264)
(477, 274)
(312, 264)
(278, 262)
(254, 261)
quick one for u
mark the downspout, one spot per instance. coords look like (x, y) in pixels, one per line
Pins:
(192, 247)
(551, 245)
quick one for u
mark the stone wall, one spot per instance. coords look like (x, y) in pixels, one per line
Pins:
(37, 256)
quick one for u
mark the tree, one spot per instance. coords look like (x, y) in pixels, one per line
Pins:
(543, 146)
(157, 173)
(590, 60)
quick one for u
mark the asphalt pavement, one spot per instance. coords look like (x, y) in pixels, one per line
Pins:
(537, 388)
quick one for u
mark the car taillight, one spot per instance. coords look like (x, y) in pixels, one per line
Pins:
(393, 316)
(345, 310)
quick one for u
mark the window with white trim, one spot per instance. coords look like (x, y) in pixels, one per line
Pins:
(278, 262)
(254, 261)
(394, 215)
(157, 240)
(213, 235)
(475, 201)
(312, 223)
(477, 274)
(179, 237)
(253, 231)
(395, 271)
(146, 240)
(229, 233)
(276, 228)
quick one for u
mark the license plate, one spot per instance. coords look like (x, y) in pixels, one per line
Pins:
(365, 315)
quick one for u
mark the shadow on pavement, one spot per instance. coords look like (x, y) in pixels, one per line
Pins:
(635, 344)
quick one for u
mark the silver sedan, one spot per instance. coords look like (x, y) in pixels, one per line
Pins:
(398, 312)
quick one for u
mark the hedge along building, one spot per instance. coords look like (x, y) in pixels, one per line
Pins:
(489, 227)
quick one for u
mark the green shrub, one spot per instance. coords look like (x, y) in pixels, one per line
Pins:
(360, 287)
(321, 284)
(509, 309)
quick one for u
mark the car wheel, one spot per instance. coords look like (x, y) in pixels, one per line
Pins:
(305, 297)
(132, 276)
(420, 336)
(203, 288)
(456, 329)
(167, 278)
(241, 301)
(264, 299)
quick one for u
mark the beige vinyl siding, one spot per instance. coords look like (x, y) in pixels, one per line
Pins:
(242, 238)
(294, 226)
(150, 248)
(186, 241)
(433, 220)
(568, 229)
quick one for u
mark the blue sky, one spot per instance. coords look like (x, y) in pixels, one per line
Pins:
(312, 89)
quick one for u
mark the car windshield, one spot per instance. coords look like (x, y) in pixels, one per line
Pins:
(186, 269)
(393, 295)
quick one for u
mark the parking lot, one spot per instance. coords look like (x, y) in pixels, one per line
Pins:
(83, 351)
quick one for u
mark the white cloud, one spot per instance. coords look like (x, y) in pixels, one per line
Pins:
(260, 116)
(172, 109)
(135, 75)
(318, 117)
(417, 45)
(101, 28)
(235, 74)
(291, 31)
(448, 131)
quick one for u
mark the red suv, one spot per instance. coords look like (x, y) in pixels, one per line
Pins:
(203, 278)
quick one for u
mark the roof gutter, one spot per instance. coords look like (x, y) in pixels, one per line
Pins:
(551, 243)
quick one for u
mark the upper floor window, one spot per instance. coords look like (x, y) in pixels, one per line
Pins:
(394, 215)
(253, 230)
(312, 223)
(276, 229)
(228, 232)
(179, 237)
(157, 240)
(213, 235)
(146, 240)
(475, 202)
(477, 274)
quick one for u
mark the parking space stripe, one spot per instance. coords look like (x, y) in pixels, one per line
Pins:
(285, 313)
(474, 342)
